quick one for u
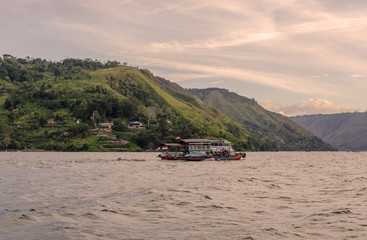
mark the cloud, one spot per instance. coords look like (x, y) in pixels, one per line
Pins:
(217, 82)
(277, 81)
(356, 76)
(311, 106)
(230, 39)
(312, 48)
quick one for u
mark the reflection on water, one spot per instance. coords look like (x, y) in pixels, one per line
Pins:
(280, 195)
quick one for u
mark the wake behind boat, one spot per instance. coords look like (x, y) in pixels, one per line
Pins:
(198, 150)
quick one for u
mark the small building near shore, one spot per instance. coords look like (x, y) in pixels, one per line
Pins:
(105, 126)
(135, 124)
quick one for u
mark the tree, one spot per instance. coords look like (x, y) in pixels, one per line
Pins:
(163, 127)
(150, 111)
(96, 117)
(42, 121)
(119, 126)
(6, 141)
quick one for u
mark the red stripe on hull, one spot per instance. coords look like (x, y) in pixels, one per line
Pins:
(200, 158)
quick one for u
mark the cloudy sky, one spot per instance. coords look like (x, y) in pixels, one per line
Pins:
(292, 56)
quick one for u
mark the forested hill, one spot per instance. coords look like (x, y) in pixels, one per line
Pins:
(276, 128)
(86, 105)
(345, 131)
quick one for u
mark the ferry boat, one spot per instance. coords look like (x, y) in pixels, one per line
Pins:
(198, 150)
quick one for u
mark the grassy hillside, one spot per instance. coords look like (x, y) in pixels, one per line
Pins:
(61, 105)
(344, 131)
(276, 128)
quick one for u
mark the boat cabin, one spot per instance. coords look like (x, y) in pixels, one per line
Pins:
(222, 146)
(198, 149)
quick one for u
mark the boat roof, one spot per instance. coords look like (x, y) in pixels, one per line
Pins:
(196, 141)
(173, 145)
(193, 141)
(221, 141)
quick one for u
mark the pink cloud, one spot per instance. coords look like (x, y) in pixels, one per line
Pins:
(310, 106)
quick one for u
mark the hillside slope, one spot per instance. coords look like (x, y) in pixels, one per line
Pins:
(276, 128)
(60, 105)
(344, 131)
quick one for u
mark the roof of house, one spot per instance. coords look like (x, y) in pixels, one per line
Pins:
(196, 141)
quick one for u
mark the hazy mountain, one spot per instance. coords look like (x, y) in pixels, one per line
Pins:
(344, 131)
(276, 128)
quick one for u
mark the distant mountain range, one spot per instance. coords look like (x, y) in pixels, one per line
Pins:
(344, 131)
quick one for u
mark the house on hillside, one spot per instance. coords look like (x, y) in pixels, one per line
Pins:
(105, 126)
(135, 125)
(50, 122)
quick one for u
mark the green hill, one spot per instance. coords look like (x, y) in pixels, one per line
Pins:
(344, 131)
(62, 105)
(275, 128)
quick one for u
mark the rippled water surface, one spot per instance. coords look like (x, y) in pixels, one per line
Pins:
(280, 195)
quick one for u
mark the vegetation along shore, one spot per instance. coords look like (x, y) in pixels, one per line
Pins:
(88, 105)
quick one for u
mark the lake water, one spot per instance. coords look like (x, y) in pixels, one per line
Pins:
(270, 195)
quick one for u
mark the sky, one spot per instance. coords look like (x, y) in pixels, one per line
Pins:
(294, 57)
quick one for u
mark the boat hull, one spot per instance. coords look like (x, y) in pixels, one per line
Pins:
(201, 158)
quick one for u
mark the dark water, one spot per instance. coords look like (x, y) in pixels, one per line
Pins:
(282, 195)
